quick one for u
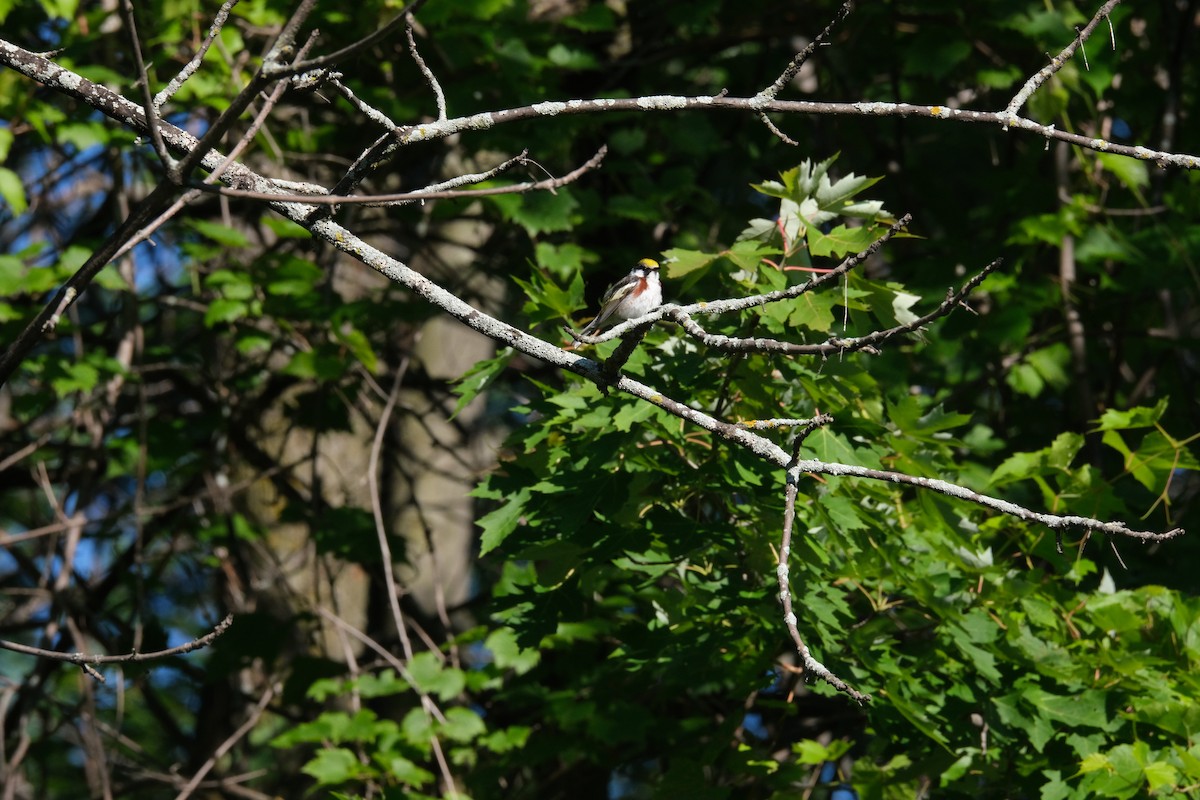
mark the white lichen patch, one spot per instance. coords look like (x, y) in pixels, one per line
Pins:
(549, 109)
(478, 122)
(662, 102)
(874, 108)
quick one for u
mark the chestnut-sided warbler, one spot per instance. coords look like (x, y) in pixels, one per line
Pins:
(638, 293)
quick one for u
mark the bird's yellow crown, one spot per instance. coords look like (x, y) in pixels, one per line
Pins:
(648, 263)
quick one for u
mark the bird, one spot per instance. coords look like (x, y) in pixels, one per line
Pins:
(638, 293)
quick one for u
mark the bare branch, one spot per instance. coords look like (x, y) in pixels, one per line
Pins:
(227, 745)
(40, 68)
(1060, 60)
(86, 659)
(771, 91)
(1055, 522)
(820, 420)
(629, 343)
(187, 197)
(214, 30)
(278, 70)
(775, 130)
(439, 96)
(287, 35)
(367, 110)
(125, 7)
(774, 424)
(783, 574)
(835, 345)
(439, 191)
(384, 653)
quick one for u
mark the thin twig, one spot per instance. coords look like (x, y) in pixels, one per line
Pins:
(242, 730)
(439, 96)
(834, 345)
(383, 652)
(385, 548)
(133, 657)
(125, 8)
(187, 197)
(762, 115)
(364, 108)
(434, 192)
(385, 553)
(279, 71)
(806, 429)
(777, 423)
(214, 30)
(1059, 61)
(771, 91)
(783, 574)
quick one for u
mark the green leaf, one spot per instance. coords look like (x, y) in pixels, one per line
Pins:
(417, 728)
(281, 227)
(1055, 459)
(631, 414)
(1046, 367)
(570, 58)
(223, 310)
(406, 772)
(221, 234)
(813, 310)
(386, 683)
(12, 190)
(507, 654)
(79, 377)
(434, 677)
(840, 241)
(14, 277)
(682, 262)
(1046, 229)
(1160, 775)
(563, 260)
(1136, 417)
(503, 521)
(462, 725)
(1094, 762)
(507, 740)
(478, 378)
(548, 300)
(359, 345)
(296, 277)
(334, 765)
(1085, 708)
(539, 212)
(810, 751)
(320, 365)
(844, 514)
(1132, 174)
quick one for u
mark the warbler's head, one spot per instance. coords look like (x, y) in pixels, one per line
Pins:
(647, 265)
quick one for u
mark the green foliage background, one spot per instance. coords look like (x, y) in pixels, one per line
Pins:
(626, 628)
